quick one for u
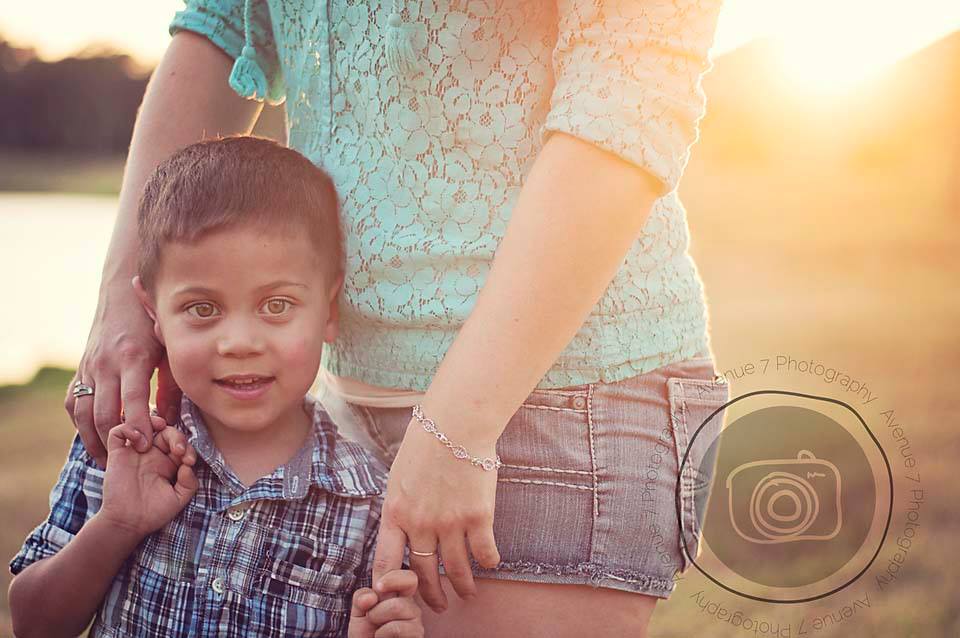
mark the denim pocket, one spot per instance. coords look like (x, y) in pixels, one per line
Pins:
(696, 417)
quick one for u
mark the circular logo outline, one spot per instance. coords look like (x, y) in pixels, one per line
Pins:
(679, 507)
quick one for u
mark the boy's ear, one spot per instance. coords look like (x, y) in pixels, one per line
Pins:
(333, 314)
(147, 304)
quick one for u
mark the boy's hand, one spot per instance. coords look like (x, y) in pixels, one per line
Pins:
(374, 616)
(142, 492)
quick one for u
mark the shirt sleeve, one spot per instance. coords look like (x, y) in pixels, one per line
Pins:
(74, 500)
(628, 78)
(221, 22)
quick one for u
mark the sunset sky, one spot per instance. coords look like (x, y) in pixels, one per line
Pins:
(825, 44)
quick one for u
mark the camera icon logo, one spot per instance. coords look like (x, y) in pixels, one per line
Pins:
(791, 500)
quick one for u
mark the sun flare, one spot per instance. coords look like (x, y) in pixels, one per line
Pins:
(825, 46)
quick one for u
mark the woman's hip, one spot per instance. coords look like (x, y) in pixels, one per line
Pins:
(588, 489)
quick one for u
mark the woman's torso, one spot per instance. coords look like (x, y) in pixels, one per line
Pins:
(429, 164)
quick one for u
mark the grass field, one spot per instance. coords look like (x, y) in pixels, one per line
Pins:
(853, 268)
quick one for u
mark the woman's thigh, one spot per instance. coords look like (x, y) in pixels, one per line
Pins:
(587, 499)
(507, 608)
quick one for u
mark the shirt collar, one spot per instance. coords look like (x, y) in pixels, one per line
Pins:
(326, 460)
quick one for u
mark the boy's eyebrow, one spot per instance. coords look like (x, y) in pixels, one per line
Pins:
(200, 290)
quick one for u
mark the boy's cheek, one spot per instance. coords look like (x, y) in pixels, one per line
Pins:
(190, 360)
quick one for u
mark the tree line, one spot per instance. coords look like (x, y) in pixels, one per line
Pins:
(85, 103)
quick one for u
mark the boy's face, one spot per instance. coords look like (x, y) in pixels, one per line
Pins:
(243, 305)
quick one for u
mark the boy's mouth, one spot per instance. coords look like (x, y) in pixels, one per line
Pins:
(244, 386)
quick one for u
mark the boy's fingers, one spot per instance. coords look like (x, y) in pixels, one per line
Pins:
(363, 601)
(186, 485)
(402, 582)
(400, 629)
(394, 609)
(171, 441)
(119, 435)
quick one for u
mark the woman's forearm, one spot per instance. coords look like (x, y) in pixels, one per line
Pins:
(187, 99)
(58, 596)
(579, 211)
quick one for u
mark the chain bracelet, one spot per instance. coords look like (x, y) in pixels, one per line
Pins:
(459, 451)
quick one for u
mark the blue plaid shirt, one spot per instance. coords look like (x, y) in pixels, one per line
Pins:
(281, 557)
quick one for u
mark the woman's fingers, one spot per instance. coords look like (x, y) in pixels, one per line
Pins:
(483, 545)
(168, 393)
(106, 403)
(93, 439)
(427, 569)
(88, 434)
(388, 554)
(135, 396)
(456, 564)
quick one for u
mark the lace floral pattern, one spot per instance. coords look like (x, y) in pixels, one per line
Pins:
(429, 160)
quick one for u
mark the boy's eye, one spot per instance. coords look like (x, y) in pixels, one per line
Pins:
(276, 306)
(203, 310)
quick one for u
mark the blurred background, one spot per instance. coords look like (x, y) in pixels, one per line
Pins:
(823, 199)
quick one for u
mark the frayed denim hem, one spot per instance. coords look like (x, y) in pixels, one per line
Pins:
(582, 574)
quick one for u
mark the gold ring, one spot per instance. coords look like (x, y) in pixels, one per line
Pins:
(416, 553)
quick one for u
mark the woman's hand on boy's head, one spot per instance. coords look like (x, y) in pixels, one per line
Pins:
(143, 491)
(390, 610)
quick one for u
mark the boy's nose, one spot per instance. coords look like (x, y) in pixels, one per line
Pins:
(239, 339)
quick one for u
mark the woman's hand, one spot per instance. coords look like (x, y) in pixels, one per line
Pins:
(437, 502)
(121, 355)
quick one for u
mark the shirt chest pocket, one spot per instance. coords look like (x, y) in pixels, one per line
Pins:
(306, 573)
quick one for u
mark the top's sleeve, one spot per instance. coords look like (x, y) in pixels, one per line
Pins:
(221, 22)
(628, 78)
(74, 500)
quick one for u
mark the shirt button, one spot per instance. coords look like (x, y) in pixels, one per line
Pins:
(217, 585)
(236, 513)
(579, 403)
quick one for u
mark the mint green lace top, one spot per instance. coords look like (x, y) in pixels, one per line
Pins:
(429, 114)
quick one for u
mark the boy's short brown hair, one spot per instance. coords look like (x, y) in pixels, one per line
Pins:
(231, 181)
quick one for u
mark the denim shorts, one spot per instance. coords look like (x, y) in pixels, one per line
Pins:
(587, 493)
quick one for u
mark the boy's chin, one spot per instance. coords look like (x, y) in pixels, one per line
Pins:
(242, 419)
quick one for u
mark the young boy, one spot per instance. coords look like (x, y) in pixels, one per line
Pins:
(250, 516)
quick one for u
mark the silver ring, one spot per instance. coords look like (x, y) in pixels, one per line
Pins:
(416, 553)
(82, 390)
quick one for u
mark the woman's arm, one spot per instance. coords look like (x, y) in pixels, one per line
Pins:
(188, 99)
(624, 112)
(578, 213)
